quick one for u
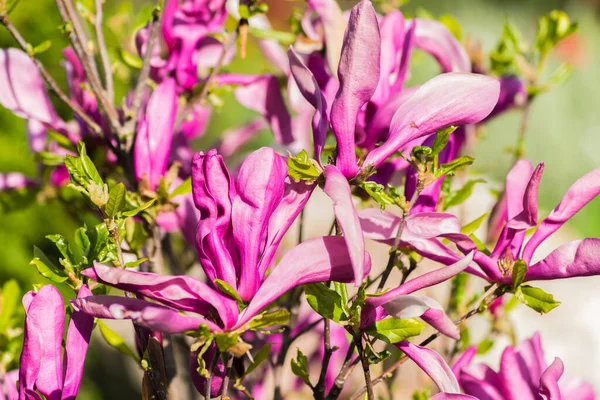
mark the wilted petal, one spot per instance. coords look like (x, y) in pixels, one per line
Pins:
(153, 142)
(322, 259)
(22, 88)
(294, 199)
(447, 99)
(432, 364)
(181, 292)
(434, 37)
(513, 384)
(358, 73)
(576, 258)
(41, 359)
(549, 389)
(260, 188)
(578, 195)
(308, 86)
(338, 189)
(152, 316)
(76, 345)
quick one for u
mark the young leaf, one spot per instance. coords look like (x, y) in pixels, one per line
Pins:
(115, 340)
(472, 226)
(136, 211)
(11, 293)
(46, 268)
(441, 139)
(326, 302)
(462, 194)
(184, 188)
(259, 357)
(302, 168)
(393, 330)
(62, 245)
(116, 200)
(536, 299)
(377, 193)
(284, 38)
(518, 273)
(275, 318)
(300, 367)
(226, 340)
(88, 165)
(484, 346)
(229, 291)
(454, 166)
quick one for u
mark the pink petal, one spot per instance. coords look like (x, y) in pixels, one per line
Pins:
(76, 345)
(578, 195)
(480, 381)
(322, 259)
(453, 396)
(549, 389)
(576, 258)
(338, 189)
(358, 73)
(334, 24)
(432, 364)
(434, 38)
(464, 360)
(41, 359)
(513, 384)
(260, 188)
(447, 99)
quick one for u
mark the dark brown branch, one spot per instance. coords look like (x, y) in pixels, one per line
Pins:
(102, 49)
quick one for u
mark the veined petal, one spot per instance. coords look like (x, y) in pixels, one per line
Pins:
(578, 195)
(447, 99)
(530, 356)
(181, 292)
(334, 24)
(153, 143)
(433, 37)
(513, 384)
(358, 73)
(528, 216)
(152, 316)
(464, 360)
(260, 188)
(576, 258)
(41, 364)
(309, 88)
(549, 389)
(76, 345)
(322, 259)
(432, 364)
(480, 381)
(338, 189)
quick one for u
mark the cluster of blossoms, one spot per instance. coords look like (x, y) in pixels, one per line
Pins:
(342, 90)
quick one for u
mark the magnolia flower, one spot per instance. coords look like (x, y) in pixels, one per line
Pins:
(523, 375)
(8, 385)
(43, 371)
(155, 132)
(576, 258)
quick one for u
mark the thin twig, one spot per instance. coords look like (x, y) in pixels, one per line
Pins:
(345, 371)
(102, 49)
(319, 390)
(47, 77)
(366, 367)
(207, 389)
(226, 379)
(520, 150)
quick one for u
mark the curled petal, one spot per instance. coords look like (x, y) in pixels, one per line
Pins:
(513, 383)
(549, 389)
(152, 316)
(358, 73)
(322, 259)
(578, 195)
(181, 292)
(432, 364)
(338, 189)
(434, 37)
(447, 99)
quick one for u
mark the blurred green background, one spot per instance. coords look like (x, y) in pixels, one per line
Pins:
(562, 129)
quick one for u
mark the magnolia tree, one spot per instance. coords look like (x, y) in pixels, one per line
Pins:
(391, 157)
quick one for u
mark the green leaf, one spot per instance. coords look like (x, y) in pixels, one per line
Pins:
(42, 47)
(136, 211)
(75, 168)
(458, 290)
(465, 339)
(454, 166)
(357, 306)
(553, 28)
(282, 37)
(300, 367)
(441, 139)
(133, 264)
(342, 290)
(10, 299)
(302, 168)
(452, 24)
(519, 270)
(393, 330)
(484, 346)
(135, 234)
(116, 200)
(326, 302)
(88, 165)
(62, 245)
(61, 140)
(278, 317)
(259, 357)
(536, 299)
(229, 291)
(472, 226)
(226, 340)
(462, 194)
(82, 241)
(115, 340)
(244, 11)
(46, 268)
(184, 188)
(131, 60)
(377, 192)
